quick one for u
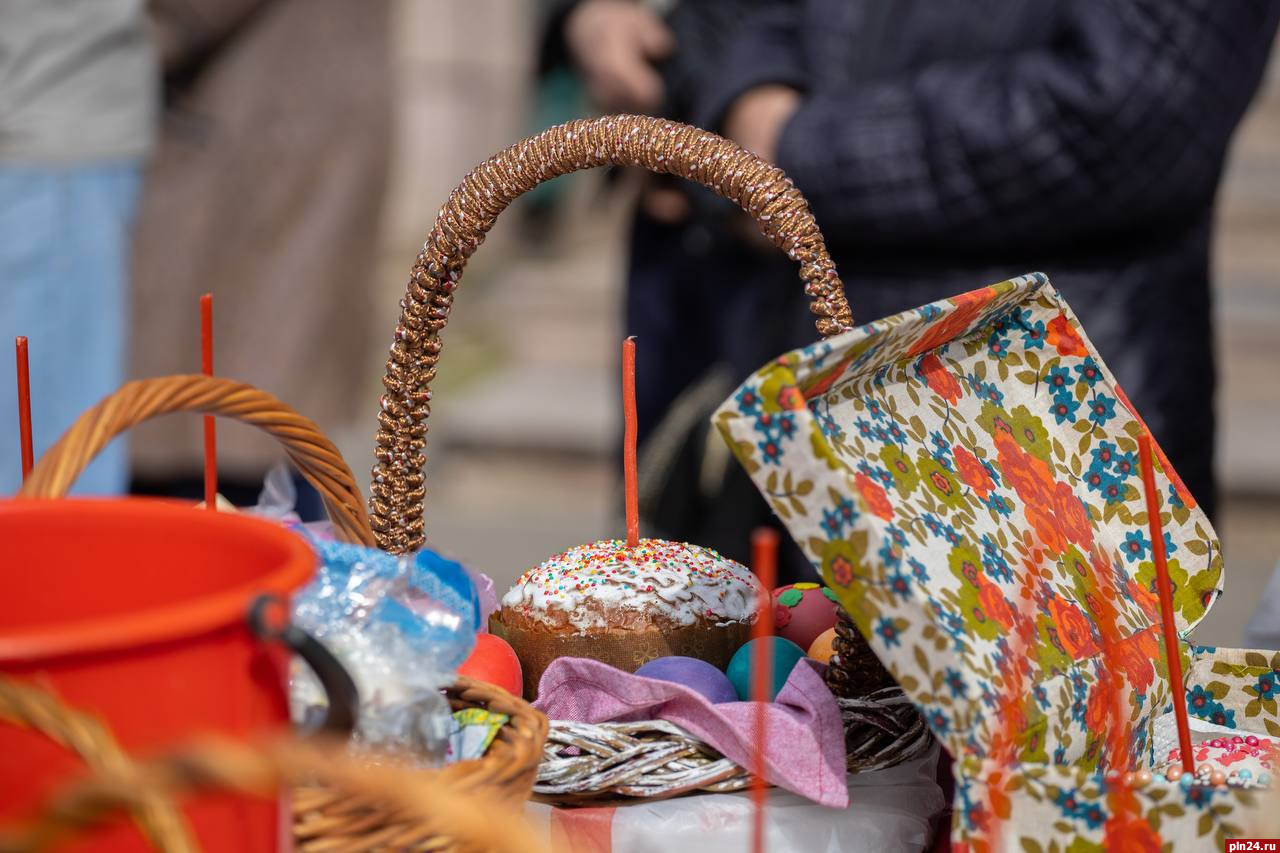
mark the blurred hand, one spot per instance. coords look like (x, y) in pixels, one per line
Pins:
(615, 43)
(755, 120)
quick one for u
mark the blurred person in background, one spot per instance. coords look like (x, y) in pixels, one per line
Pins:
(942, 147)
(267, 191)
(78, 84)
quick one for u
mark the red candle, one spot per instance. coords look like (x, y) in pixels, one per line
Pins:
(764, 558)
(24, 406)
(210, 431)
(1177, 687)
(629, 441)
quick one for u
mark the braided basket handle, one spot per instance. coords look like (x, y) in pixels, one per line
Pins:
(762, 190)
(316, 458)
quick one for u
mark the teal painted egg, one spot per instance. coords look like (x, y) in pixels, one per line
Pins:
(785, 655)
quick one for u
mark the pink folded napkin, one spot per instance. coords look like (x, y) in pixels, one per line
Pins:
(804, 746)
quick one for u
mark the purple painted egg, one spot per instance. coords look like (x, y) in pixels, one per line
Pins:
(803, 611)
(697, 675)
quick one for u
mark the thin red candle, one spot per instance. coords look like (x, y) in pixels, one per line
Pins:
(24, 406)
(764, 558)
(629, 441)
(210, 430)
(1177, 686)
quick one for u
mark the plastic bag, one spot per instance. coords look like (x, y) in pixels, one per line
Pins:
(278, 501)
(278, 497)
(401, 626)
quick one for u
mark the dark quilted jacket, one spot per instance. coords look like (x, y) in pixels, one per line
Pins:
(945, 146)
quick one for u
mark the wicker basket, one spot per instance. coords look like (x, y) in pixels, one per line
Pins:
(591, 764)
(326, 817)
(398, 490)
(147, 792)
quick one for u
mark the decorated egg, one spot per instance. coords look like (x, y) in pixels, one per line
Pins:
(822, 648)
(697, 675)
(493, 661)
(785, 655)
(802, 611)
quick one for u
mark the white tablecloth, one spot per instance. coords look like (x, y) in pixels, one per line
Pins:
(890, 811)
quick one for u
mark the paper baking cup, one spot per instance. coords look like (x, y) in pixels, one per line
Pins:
(626, 650)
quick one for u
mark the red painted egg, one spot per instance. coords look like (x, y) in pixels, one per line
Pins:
(493, 661)
(802, 611)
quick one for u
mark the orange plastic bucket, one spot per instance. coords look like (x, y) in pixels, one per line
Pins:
(134, 610)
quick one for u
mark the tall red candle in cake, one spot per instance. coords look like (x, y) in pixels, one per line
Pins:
(630, 600)
(630, 430)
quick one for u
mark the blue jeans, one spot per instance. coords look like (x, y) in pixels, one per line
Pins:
(64, 283)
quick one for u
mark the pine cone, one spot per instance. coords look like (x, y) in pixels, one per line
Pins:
(854, 670)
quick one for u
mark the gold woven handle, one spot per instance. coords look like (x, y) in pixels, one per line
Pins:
(762, 190)
(316, 458)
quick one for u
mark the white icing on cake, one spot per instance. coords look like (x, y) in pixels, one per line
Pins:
(605, 583)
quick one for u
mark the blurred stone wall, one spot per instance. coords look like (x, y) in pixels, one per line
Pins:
(463, 74)
(1247, 268)
(462, 71)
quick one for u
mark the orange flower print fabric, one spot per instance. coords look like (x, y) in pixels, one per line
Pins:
(939, 379)
(1075, 631)
(972, 472)
(1063, 337)
(876, 497)
(967, 307)
(964, 477)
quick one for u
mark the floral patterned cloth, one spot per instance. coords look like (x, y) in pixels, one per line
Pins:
(1235, 688)
(965, 476)
(1057, 809)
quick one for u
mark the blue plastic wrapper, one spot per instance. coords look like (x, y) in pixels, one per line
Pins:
(428, 599)
(402, 626)
(453, 577)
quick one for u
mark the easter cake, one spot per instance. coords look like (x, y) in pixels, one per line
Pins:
(627, 606)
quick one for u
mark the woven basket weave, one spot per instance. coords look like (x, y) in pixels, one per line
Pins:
(590, 764)
(148, 792)
(326, 817)
(762, 190)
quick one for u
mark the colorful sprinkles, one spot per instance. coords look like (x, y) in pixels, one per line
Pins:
(684, 582)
